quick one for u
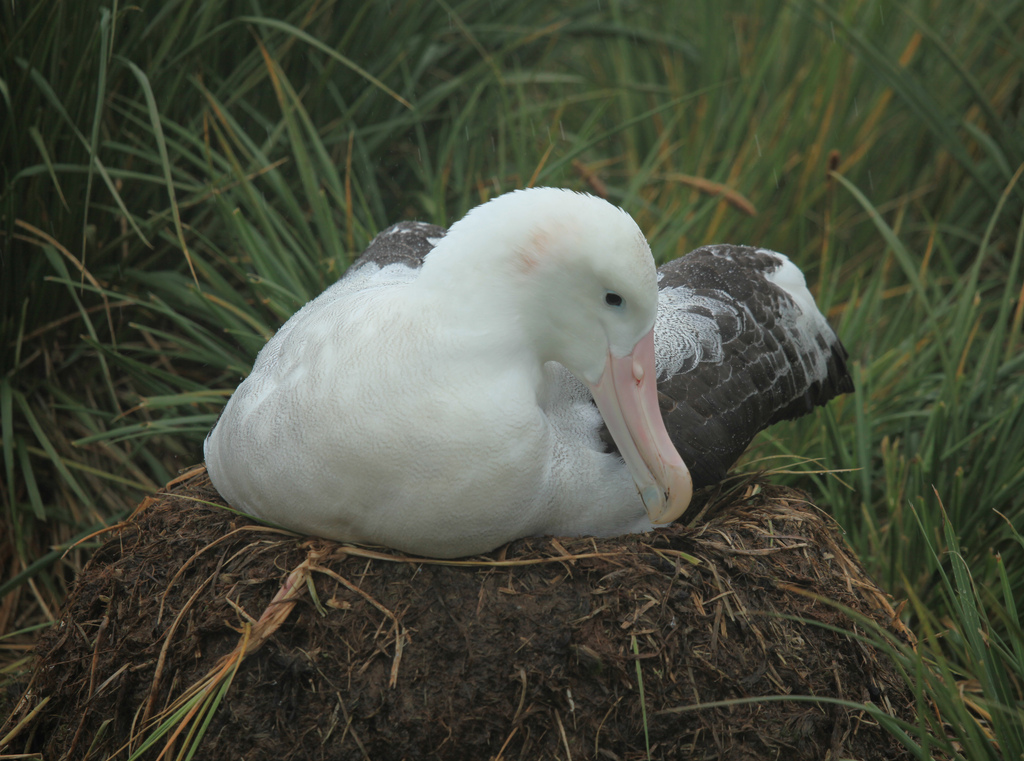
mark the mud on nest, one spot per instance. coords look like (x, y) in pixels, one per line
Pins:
(546, 648)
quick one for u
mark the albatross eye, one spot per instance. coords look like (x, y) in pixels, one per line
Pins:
(612, 299)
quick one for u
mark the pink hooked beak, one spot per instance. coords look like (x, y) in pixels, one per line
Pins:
(627, 397)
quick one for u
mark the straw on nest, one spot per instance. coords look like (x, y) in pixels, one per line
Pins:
(194, 618)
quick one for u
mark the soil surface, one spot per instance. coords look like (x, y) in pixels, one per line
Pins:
(684, 641)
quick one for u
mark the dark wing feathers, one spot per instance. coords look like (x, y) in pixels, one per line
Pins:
(735, 352)
(402, 243)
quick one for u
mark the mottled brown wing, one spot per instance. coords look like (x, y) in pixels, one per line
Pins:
(402, 243)
(740, 345)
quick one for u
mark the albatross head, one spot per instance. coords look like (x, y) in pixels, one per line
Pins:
(584, 290)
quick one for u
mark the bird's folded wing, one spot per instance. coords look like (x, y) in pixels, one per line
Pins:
(741, 345)
(402, 243)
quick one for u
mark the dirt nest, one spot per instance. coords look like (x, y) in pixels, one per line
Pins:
(299, 648)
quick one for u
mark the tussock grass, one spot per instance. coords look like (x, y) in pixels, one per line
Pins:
(176, 180)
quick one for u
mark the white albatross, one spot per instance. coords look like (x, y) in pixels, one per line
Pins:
(439, 399)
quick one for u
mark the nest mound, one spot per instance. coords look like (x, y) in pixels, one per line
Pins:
(194, 618)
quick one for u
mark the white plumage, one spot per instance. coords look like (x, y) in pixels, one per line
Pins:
(440, 398)
(423, 409)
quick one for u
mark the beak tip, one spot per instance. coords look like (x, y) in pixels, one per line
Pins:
(663, 519)
(664, 507)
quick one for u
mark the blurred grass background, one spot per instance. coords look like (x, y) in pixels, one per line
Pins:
(177, 178)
